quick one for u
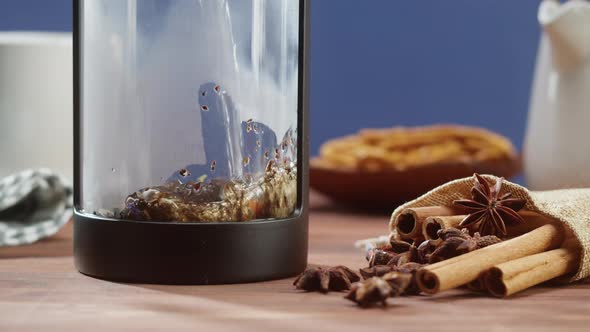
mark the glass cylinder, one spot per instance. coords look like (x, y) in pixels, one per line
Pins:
(190, 131)
(189, 109)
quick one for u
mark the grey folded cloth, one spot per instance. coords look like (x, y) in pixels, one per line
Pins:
(34, 204)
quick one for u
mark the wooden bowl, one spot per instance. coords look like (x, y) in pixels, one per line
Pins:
(385, 190)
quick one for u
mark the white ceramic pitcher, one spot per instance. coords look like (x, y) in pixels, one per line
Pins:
(557, 143)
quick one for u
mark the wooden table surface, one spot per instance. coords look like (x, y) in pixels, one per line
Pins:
(41, 290)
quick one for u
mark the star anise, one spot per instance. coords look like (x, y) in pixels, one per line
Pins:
(321, 279)
(398, 281)
(478, 242)
(399, 246)
(381, 270)
(411, 256)
(411, 268)
(398, 253)
(378, 289)
(376, 271)
(458, 242)
(447, 233)
(425, 250)
(447, 249)
(406, 257)
(379, 256)
(487, 207)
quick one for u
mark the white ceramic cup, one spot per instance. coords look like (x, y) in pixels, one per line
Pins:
(36, 102)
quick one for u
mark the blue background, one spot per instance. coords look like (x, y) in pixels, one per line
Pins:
(379, 63)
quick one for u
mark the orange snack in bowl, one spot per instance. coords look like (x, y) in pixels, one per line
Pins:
(402, 148)
(380, 168)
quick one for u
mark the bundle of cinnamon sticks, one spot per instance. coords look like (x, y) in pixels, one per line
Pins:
(535, 251)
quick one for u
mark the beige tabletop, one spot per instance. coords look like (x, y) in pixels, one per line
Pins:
(41, 290)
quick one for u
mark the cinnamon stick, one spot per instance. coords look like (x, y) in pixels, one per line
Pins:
(476, 285)
(516, 275)
(460, 270)
(409, 222)
(532, 220)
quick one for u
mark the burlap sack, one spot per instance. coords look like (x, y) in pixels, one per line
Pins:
(569, 206)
